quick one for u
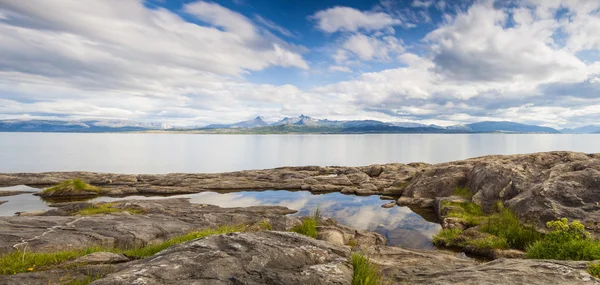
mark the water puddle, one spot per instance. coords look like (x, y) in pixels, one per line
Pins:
(400, 225)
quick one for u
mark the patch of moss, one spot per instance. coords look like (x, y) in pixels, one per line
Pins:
(463, 192)
(70, 187)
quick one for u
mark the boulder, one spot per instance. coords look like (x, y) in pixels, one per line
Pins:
(241, 258)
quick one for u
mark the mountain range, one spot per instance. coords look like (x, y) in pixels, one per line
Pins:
(87, 126)
(300, 124)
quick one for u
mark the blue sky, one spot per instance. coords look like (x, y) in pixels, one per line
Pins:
(200, 62)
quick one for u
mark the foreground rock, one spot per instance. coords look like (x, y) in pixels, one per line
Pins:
(163, 219)
(242, 258)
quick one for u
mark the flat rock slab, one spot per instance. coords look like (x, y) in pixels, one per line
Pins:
(101, 258)
(242, 258)
(13, 193)
(164, 219)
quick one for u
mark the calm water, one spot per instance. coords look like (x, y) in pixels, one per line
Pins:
(165, 153)
(400, 225)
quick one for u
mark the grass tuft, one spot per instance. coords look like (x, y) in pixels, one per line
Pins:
(152, 249)
(594, 269)
(307, 228)
(365, 272)
(505, 224)
(19, 261)
(309, 225)
(489, 243)
(447, 237)
(70, 187)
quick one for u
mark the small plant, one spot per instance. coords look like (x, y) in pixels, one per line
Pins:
(265, 225)
(309, 225)
(447, 237)
(505, 224)
(463, 192)
(365, 272)
(594, 269)
(307, 228)
(352, 242)
(566, 241)
(70, 187)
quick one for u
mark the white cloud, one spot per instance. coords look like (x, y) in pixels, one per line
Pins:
(351, 20)
(339, 68)
(370, 47)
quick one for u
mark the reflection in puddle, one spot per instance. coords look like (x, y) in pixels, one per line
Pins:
(400, 225)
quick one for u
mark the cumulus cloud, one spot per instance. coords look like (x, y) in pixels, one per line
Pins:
(351, 20)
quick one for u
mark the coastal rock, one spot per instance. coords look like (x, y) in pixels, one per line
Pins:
(2, 202)
(242, 258)
(539, 187)
(100, 258)
(13, 193)
(162, 220)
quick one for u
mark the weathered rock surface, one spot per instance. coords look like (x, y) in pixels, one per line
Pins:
(376, 179)
(539, 187)
(162, 219)
(12, 193)
(414, 267)
(242, 258)
(100, 258)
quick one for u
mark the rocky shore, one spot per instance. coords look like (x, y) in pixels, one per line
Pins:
(252, 257)
(537, 187)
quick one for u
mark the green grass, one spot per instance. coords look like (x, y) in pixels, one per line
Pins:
(307, 228)
(105, 208)
(309, 225)
(566, 241)
(470, 212)
(265, 225)
(594, 269)
(490, 242)
(463, 192)
(70, 187)
(365, 272)
(447, 237)
(505, 224)
(152, 249)
(19, 261)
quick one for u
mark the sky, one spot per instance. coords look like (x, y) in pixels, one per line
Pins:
(192, 63)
